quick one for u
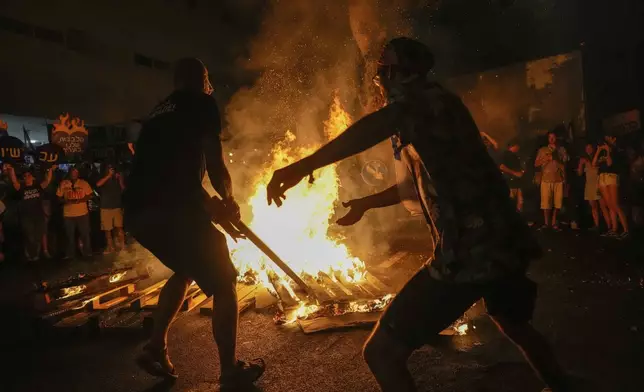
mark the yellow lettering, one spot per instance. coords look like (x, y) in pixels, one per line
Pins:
(14, 152)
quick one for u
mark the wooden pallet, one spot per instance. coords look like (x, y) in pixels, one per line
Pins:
(245, 299)
(103, 300)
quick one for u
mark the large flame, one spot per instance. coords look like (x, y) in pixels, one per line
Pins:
(298, 230)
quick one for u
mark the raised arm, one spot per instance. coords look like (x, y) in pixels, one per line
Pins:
(48, 177)
(14, 179)
(596, 157)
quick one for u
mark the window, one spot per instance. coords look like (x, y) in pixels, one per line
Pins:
(142, 60)
(49, 35)
(15, 26)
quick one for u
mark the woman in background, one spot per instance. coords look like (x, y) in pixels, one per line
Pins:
(591, 188)
(611, 164)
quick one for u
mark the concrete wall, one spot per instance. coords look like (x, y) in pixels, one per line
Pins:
(92, 73)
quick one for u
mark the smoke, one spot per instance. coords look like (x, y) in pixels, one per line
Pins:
(304, 54)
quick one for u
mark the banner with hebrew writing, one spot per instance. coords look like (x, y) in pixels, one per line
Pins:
(71, 135)
(12, 149)
(50, 154)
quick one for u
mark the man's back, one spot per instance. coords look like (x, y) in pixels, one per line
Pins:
(481, 231)
(169, 161)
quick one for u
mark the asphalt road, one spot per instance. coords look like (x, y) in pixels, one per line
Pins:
(590, 306)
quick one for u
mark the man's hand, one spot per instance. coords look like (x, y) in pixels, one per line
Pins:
(283, 180)
(223, 211)
(357, 209)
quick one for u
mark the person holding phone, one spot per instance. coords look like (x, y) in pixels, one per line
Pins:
(110, 188)
(611, 163)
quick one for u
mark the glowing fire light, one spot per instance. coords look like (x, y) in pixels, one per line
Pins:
(72, 291)
(117, 276)
(462, 329)
(298, 230)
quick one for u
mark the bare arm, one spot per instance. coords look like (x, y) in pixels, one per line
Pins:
(365, 133)
(47, 180)
(14, 179)
(580, 167)
(386, 198)
(596, 157)
(216, 166)
(103, 180)
(506, 169)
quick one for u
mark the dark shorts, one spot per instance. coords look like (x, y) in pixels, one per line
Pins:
(426, 306)
(188, 244)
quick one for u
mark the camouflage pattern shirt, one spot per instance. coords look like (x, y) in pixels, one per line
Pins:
(478, 234)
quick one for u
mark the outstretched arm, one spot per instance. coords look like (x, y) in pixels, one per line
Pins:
(362, 135)
(358, 207)
(14, 179)
(48, 176)
(365, 133)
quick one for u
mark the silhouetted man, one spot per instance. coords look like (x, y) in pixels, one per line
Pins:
(171, 215)
(484, 247)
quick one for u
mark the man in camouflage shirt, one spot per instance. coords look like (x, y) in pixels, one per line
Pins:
(482, 247)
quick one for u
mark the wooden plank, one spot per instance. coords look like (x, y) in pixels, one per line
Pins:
(143, 295)
(192, 299)
(323, 294)
(75, 321)
(340, 293)
(349, 320)
(376, 283)
(123, 291)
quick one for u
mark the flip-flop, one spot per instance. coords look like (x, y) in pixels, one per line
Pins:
(244, 375)
(156, 363)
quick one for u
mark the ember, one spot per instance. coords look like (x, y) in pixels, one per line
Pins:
(117, 276)
(72, 291)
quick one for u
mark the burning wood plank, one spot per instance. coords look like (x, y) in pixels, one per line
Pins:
(101, 301)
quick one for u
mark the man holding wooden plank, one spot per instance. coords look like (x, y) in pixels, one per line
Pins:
(483, 246)
(170, 214)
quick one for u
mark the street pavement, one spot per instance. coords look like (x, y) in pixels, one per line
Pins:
(590, 307)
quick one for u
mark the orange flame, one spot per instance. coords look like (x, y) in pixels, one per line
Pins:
(69, 125)
(298, 230)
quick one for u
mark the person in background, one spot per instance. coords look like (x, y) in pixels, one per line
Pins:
(552, 159)
(611, 163)
(32, 214)
(591, 187)
(513, 173)
(110, 188)
(74, 193)
(491, 145)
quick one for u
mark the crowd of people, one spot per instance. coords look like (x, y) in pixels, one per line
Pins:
(58, 211)
(599, 186)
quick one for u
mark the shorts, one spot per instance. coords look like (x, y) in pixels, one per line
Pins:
(426, 306)
(111, 218)
(551, 194)
(606, 179)
(516, 193)
(189, 244)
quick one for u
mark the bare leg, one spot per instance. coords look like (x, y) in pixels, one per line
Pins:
(612, 215)
(225, 321)
(387, 360)
(594, 209)
(120, 234)
(605, 212)
(108, 240)
(554, 217)
(546, 217)
(519, 200)
(537, 352)
(613, 190)
(170, 300)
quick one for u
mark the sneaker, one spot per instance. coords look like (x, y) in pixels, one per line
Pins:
(243, 376)
(544, 227)
(623, 236)
(556, 228)
(156, 362)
